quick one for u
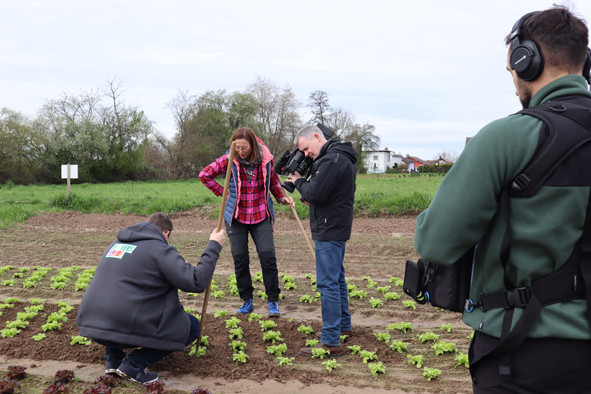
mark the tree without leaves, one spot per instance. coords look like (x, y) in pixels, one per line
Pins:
(341, 122)
(318, 103)
(183, 109)
(126, 130)
(362, 137)
(277, 113)
(157, 159)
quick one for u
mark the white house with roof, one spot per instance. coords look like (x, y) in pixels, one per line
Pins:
(380, 160)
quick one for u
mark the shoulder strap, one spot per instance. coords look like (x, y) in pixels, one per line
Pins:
(559, 286)
(570, 119)
(569, 127)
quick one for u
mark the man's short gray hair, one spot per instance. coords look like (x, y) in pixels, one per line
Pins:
(308, 131)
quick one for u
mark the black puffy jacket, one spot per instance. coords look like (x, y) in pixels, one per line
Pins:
(331, 191)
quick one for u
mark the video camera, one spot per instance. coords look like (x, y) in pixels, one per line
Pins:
(296, 161)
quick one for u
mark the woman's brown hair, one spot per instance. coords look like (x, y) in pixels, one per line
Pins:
(245, 133)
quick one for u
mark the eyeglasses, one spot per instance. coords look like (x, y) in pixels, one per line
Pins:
(242, 148)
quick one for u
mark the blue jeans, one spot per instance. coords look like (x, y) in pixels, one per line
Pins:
(140, 357)
(334, 296)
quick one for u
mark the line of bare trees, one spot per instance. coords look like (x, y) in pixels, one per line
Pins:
(112, 141)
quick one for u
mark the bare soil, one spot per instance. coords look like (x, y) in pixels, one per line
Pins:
(376, 253)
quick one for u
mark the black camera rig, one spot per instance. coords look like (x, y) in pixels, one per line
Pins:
(296, 161)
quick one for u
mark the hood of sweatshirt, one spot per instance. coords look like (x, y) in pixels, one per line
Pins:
(140, 232)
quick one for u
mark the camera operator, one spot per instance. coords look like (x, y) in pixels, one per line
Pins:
(546, 57)
(133, 302)
(330, 193)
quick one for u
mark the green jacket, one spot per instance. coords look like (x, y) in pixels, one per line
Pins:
(545, 227)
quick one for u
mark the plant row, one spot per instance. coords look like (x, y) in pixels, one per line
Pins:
(29, 278)
(54, 320)
(420, 348)
(376, 294)
(369, 292)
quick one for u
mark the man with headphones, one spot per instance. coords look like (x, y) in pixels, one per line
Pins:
(548, 58)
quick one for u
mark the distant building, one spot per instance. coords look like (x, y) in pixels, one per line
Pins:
(441, 161)
(379, 161)
(414, 163)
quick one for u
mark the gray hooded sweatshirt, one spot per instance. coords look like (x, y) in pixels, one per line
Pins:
(133, 297)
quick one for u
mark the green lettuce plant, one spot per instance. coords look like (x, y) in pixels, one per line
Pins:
(376, 368)
(399, 346)
(431, 373)
(277, 350)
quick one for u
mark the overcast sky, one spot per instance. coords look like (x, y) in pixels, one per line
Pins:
(426, 73)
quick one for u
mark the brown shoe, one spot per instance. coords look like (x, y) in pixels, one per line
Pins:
(335, 351)
(347, 333)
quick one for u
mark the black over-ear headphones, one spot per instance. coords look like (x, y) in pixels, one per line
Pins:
(587, 67)
(526, 58)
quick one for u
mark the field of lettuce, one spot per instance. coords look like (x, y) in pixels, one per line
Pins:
(397, 345)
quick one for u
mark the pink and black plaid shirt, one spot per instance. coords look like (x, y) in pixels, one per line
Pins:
(251, 207)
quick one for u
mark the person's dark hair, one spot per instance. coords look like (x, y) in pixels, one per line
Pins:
(161, 220)
(246, 133)
(561, 37)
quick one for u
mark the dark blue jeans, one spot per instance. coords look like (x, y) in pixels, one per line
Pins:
(334, 295)
(140, 357)
(262, 235)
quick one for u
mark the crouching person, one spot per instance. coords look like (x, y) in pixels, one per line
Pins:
(132, 301)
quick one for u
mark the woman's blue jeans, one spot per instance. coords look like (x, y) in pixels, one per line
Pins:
(334, 295)
(140, 357)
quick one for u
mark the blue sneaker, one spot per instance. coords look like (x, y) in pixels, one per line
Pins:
(128, 371)
(247, 307)
(274, 309)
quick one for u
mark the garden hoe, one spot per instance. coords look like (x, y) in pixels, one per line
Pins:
(304, 232)
(218, 228)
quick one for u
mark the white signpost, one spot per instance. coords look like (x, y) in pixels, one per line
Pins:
(69, 171)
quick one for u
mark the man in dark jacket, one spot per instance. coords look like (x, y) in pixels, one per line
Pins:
(132, 301)
(330, 193)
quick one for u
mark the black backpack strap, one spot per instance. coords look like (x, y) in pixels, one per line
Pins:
(503, 211)
(567, 122)
(569, 118)
(563, 285)
(572, 118)
(585, 259)
(575, 112)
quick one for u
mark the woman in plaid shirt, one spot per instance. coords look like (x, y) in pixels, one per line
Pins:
(249, 209)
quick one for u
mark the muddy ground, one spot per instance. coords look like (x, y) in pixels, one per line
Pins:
(376, 253)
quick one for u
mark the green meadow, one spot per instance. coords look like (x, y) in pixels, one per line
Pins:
(377, 195)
